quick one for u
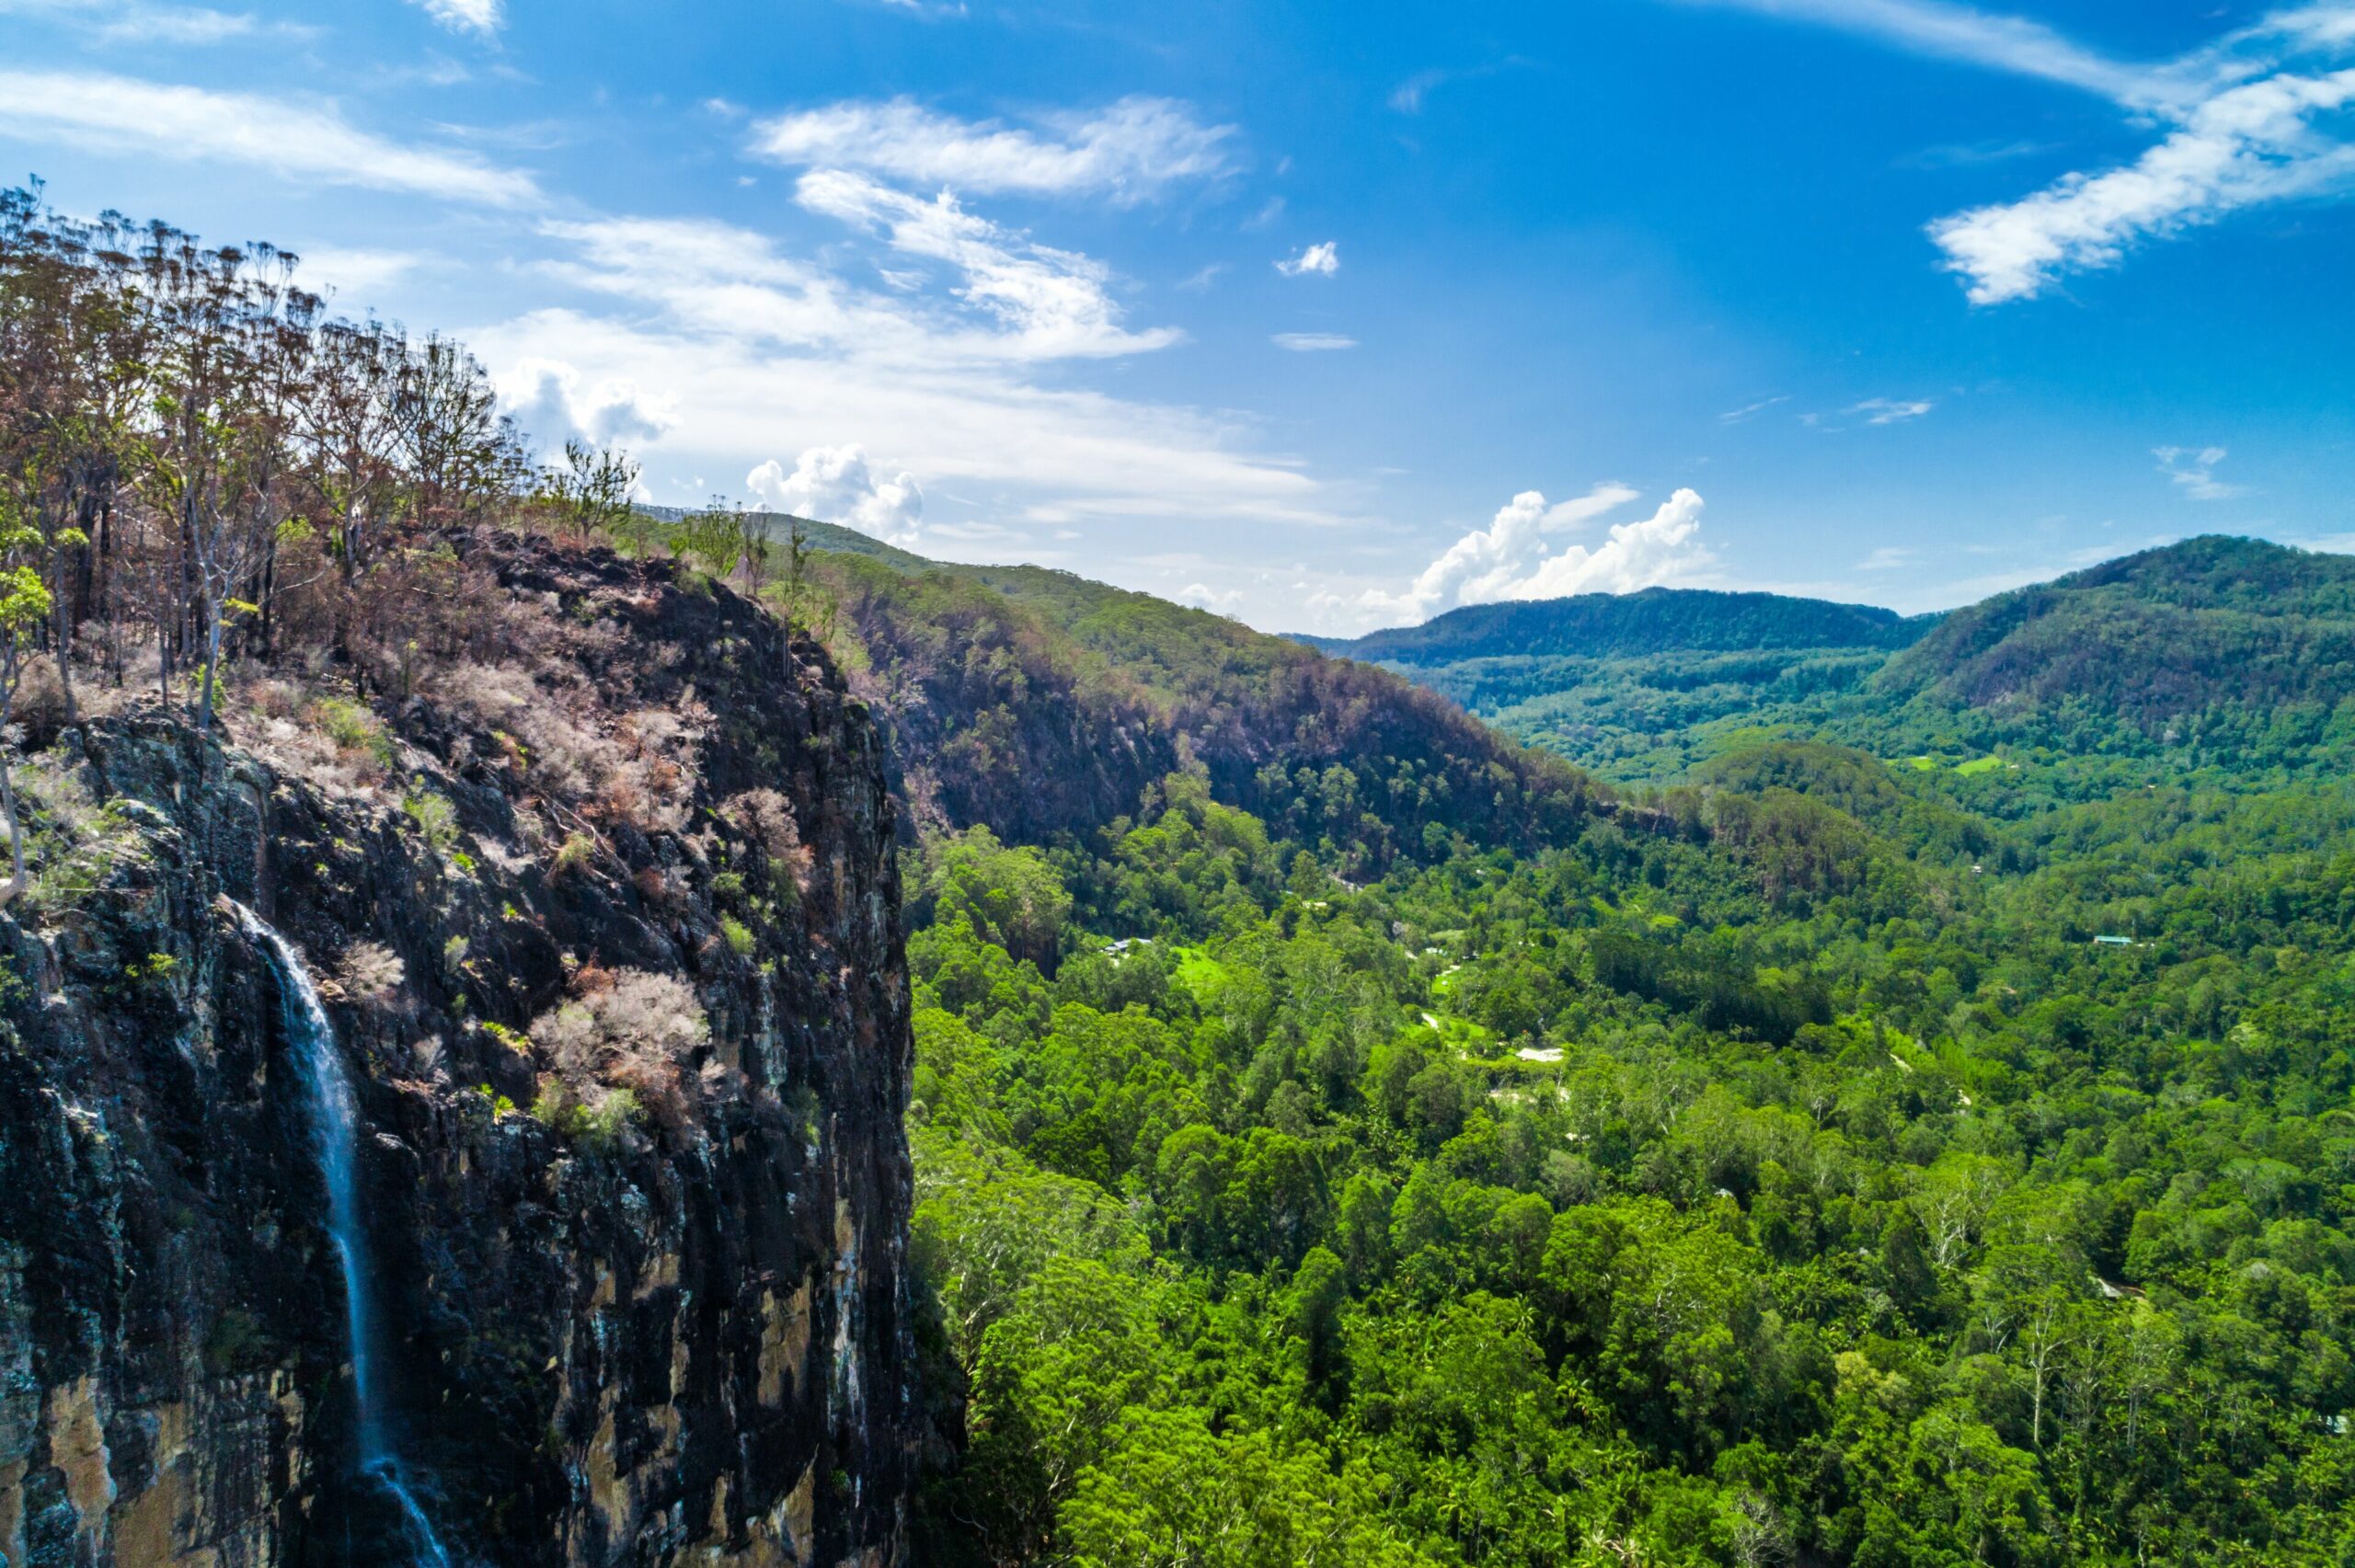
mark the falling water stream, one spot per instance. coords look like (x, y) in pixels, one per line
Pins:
(335, 1124)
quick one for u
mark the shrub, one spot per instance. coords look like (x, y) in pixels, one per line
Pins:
(436, 818)
(369, 971)
(513, 1039)
(739, 936)
(354, 728)
(766, 817)
(639, 1033)
(572, 855)
(594, 1122)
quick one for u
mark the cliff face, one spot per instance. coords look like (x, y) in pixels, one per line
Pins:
(605, 915)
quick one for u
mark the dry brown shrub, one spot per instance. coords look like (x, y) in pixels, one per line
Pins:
(660, 887)
(639, 1033)
(370, 972)
(766, 817)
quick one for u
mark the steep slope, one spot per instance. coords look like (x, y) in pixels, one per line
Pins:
(1036, 702)
(603, 913)
(2152, 635)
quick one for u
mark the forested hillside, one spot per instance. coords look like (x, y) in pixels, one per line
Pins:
(1652, 621)
(2227, 659)
(1036, 702)
(1908, 1119)
(1832, 1154)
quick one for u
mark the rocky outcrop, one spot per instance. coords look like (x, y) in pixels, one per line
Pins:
(640, 1283)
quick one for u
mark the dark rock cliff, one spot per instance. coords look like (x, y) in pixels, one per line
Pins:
(605, 914)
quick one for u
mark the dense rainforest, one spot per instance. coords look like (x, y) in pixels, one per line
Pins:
(1936, 1153)
(1851, 1091)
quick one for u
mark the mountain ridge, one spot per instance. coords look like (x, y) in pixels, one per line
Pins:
(1649, 620)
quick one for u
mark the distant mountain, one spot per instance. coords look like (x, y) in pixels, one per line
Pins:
(2152, 636)
(1038, 703)
(1657, 620)
(2225, 654)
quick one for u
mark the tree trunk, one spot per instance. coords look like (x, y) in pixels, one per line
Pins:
(211, 663)
(61, 607)
(8, 792)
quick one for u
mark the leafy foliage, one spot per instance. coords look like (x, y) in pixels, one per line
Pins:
(1795, 1180)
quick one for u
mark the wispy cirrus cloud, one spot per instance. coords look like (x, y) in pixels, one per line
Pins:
(725, 348)
(1891, 410)
(1750, 411)
(1978, 37)
(2248, 145)
(2256, 116)
(1313, 342)
(309, 141)
(2192, 470)
(1132, 149)
(1050, 304)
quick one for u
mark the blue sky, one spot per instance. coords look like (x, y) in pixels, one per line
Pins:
(1324, 315)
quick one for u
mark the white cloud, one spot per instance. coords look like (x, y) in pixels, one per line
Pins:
(190, 25)
(1205, 597)
(1132, 149)
(1322, 260)
(2248, 144)
(481, 17)
(1888, 558)
(1049, 304)
(351, 271)
(1751, 410)
(1511, 558)
(2193, 471)
(733, 340)
(2253, 117)
(1312, 342)
(309, 143)
(1980, 38)
(555, 403)
(1891, 410)
(137, 24)
(834, 484)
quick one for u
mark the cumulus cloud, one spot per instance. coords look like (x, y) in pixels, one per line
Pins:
(2193, 471)
(553, 403)
(1130, 151)
(1321, 260)
(1202, 595)
(310, 142)
(834, 484)
(1313, 342)
(1514, 559)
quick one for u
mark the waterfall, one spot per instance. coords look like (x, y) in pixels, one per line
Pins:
(335, 1129)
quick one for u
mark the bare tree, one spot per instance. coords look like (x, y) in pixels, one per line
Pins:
(591, 490)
